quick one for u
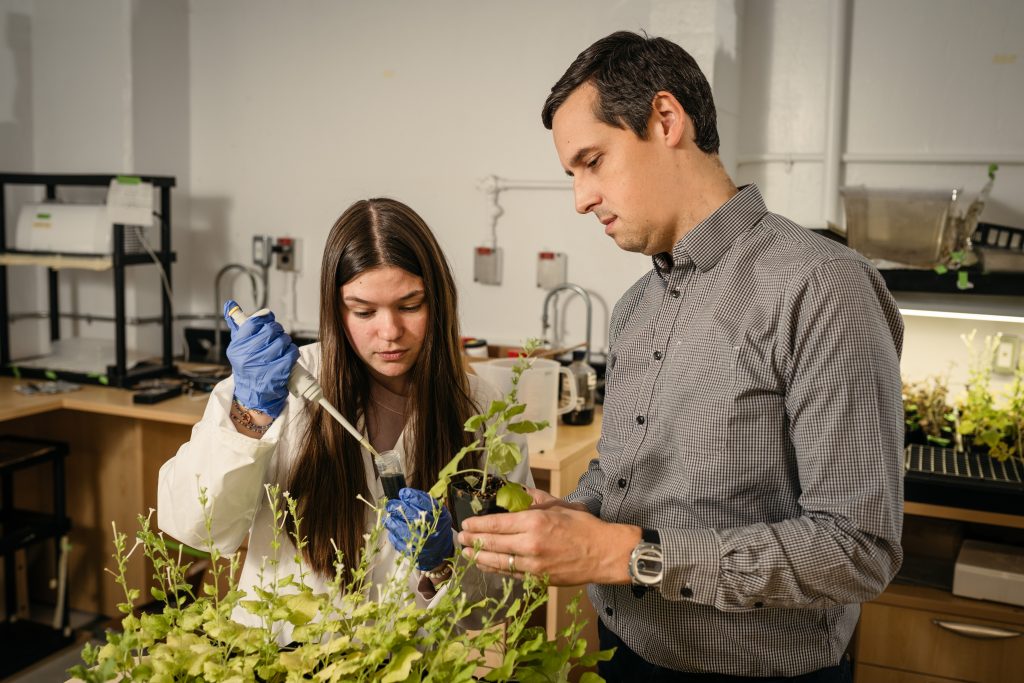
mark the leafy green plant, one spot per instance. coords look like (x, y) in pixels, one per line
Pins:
(497, 456)
(957, 250)
(980, 422)
(927, 413)
(343, 634)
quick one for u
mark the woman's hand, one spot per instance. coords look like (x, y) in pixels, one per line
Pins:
(400, 521)
(261, 356)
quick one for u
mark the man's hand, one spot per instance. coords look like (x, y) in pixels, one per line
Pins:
(568, 544)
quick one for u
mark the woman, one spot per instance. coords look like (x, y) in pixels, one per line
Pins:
(389, 359)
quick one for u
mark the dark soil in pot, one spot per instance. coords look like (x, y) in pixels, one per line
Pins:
(463, 494)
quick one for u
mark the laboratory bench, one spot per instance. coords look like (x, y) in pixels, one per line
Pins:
(116, 449)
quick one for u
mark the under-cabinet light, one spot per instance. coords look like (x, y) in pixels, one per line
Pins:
(919, 313)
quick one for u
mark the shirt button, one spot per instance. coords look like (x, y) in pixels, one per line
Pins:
(622, 483)
(640, 419)
(608, 611)
(674, 293)
(657, 355)
(687, 592)
(758, 605)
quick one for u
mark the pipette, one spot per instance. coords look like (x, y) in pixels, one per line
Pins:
(303, 385)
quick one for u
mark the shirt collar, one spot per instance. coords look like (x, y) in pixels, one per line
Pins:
(705, 245)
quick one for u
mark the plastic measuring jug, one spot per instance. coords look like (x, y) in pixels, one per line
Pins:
(538, 389)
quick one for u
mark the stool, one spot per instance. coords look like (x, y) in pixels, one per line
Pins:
(20, 529)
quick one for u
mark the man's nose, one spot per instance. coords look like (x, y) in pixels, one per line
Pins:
(586, 197)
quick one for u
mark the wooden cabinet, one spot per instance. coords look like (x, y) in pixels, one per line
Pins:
(915, 634)
(933, 633)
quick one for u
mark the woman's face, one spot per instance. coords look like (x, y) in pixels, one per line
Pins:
(384, 313)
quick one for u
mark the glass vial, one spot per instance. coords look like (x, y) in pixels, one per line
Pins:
(392, 474)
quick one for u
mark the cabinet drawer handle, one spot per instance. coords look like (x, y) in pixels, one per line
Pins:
(976, 630)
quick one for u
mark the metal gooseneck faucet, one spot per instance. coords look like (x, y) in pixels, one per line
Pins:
(586, 299)
(219, 323)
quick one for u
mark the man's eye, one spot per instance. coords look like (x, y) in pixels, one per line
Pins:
(593, 162)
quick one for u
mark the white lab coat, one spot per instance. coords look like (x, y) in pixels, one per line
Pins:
(234, 469)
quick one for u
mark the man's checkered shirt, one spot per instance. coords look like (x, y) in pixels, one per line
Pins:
(753, 417)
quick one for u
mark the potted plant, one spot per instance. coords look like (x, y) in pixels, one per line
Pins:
(983, 426)
(929, 418)
(483, 489)
(351, 632)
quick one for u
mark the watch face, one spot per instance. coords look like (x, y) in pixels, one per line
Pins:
(646, 564)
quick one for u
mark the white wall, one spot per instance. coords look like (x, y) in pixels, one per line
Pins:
(297, 112)
(276, 116)
(936, 84)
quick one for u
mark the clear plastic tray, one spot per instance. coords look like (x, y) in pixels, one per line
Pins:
(905, 226)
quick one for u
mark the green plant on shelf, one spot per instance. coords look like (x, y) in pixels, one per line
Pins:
(982, 424)
(351, 632)
(957, 252)
(929, 417)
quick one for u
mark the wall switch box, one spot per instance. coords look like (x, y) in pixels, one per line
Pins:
(286, 250)
(1007, 355)
(552, 269)
(487, 265)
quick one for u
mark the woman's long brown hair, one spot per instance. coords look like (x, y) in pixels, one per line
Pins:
(328, 473)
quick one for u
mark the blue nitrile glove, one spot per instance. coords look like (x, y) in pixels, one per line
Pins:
(261, 357)
(405, 510)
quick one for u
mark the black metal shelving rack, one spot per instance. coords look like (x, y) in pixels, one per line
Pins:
(118, 374)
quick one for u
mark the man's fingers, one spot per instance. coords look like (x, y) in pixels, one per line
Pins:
(500, 523)
(497, 562)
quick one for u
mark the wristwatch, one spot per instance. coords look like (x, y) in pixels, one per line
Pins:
(645, 562)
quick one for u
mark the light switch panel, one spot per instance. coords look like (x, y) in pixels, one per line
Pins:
(1007, 355)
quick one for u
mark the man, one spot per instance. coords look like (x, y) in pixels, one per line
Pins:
(748, 494)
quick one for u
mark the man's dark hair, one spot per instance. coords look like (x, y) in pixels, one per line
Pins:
(628, 70)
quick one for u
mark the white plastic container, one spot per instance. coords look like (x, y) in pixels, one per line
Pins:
(990, 571)
(538, 389)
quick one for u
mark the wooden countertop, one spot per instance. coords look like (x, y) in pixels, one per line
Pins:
(572, 441)
(91, 398)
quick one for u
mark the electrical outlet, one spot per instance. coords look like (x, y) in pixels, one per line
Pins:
(487, 265)
(1007, 354)
(286, 250)
(262, 250)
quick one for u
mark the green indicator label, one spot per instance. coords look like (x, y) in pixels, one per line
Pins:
(50, 374)
(129, 179)
(43, 216)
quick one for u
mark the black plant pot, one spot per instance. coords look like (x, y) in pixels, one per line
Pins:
(463, 494)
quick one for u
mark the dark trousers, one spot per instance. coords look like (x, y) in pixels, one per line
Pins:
(627, 666)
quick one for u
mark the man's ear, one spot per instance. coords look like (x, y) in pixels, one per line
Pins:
(669, 120)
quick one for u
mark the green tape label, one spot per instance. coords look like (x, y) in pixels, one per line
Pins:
(129, 179)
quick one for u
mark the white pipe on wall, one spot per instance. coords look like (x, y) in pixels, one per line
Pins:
(932, 158)
(836, 107)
